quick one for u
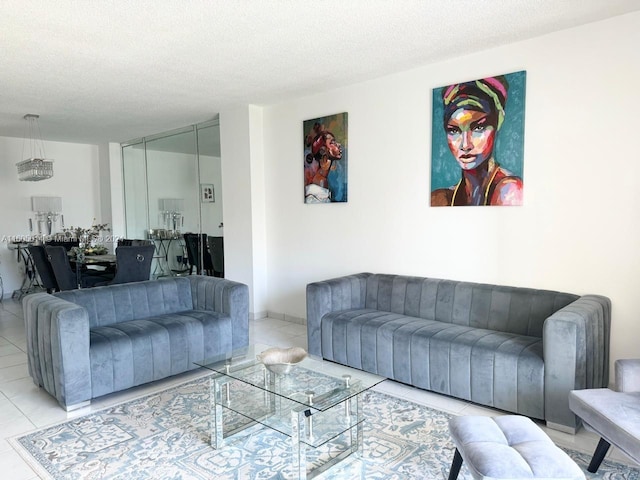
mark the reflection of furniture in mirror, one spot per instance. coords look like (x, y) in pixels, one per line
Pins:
(216, 248)
(199, 257)
(171, 213)
(162, 177)
(170, 256)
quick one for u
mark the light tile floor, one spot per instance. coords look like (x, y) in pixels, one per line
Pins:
(25, 407)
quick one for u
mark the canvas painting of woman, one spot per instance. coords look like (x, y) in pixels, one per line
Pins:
(325, 159)
(478, 142)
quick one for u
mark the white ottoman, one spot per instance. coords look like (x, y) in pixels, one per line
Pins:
(508, 447)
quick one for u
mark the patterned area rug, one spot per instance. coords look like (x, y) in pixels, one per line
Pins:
(166, 436)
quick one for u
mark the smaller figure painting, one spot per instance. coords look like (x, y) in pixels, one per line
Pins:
(325, 159)
(207, 194)
(478, 142)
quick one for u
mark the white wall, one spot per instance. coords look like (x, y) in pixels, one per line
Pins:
(76, 179)
(578, 230)
(243, 184)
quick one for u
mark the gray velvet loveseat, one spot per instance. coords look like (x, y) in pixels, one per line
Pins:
(516, 349)
(83, 344)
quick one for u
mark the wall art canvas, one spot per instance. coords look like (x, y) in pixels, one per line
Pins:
(325, 159)
(477, 145)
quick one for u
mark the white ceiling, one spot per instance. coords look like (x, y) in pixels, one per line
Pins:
(115, 70)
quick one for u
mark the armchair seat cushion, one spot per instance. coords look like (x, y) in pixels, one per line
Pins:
(615, 416)
(509, 447)
(128, 354)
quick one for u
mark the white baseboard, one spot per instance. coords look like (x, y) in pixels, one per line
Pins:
(257, 315)
(287, 318)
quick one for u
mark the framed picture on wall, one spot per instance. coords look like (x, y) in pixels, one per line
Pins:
(207, 194)
(477, 144)
(325, 159)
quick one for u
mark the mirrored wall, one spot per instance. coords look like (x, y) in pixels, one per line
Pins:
(173, 198)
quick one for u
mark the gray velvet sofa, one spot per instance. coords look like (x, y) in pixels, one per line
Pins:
(83, 344)
(516, 349)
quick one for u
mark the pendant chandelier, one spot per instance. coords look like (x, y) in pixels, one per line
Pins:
(37, 167)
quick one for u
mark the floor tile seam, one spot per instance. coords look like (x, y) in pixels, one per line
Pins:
(17, 407)
(12, 353)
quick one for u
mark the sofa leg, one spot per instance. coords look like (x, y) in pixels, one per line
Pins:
(76, 406)
(598, 455)
(455, 465)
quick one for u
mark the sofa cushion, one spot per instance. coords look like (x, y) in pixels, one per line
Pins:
(131, 353)
(131, 301)
(498, 369)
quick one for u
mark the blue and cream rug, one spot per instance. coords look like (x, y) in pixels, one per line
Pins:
(166, 436)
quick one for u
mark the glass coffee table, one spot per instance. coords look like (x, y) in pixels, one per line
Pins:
(318, 405)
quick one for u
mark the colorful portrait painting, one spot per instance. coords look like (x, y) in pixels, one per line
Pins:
(325, 159)
(478, 142)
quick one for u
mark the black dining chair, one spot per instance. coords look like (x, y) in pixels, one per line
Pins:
(44, 268)
(67, 244)
(133, 264)
(133, 242)
(195, 243)
(66, 277)
(216, 247)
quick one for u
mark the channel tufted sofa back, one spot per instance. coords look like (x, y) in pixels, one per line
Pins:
(494, 307)
(131, 301)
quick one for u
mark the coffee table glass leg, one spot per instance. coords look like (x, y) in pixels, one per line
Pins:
(298, 447)
(357, 448)
(217, 438)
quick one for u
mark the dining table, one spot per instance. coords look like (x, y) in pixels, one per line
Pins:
(107, 260)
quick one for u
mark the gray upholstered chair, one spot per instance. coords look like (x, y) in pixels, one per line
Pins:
(133, 264)
(612, 414)
(216, 247)
(44, 268)
(197, 250)
(65, 275)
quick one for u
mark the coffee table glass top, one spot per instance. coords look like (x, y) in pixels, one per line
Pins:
(313, 383)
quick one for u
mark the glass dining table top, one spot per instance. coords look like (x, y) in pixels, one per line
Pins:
(96, 259)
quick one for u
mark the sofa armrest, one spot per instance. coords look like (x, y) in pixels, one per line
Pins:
(333, 295)
(224, 296)
(58, 347)
(576, 354)
(627, 375)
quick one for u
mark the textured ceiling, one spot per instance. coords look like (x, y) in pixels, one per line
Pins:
(120, 69)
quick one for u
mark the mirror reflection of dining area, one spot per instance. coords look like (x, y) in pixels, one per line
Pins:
(60, 265)
(170, 222)
(173, 197)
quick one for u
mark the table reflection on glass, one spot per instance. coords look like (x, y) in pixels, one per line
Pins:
(83, 264)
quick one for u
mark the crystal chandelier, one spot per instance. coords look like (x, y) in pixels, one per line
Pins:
(36, 167)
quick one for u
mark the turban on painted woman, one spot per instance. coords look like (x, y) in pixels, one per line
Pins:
(485, 95)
